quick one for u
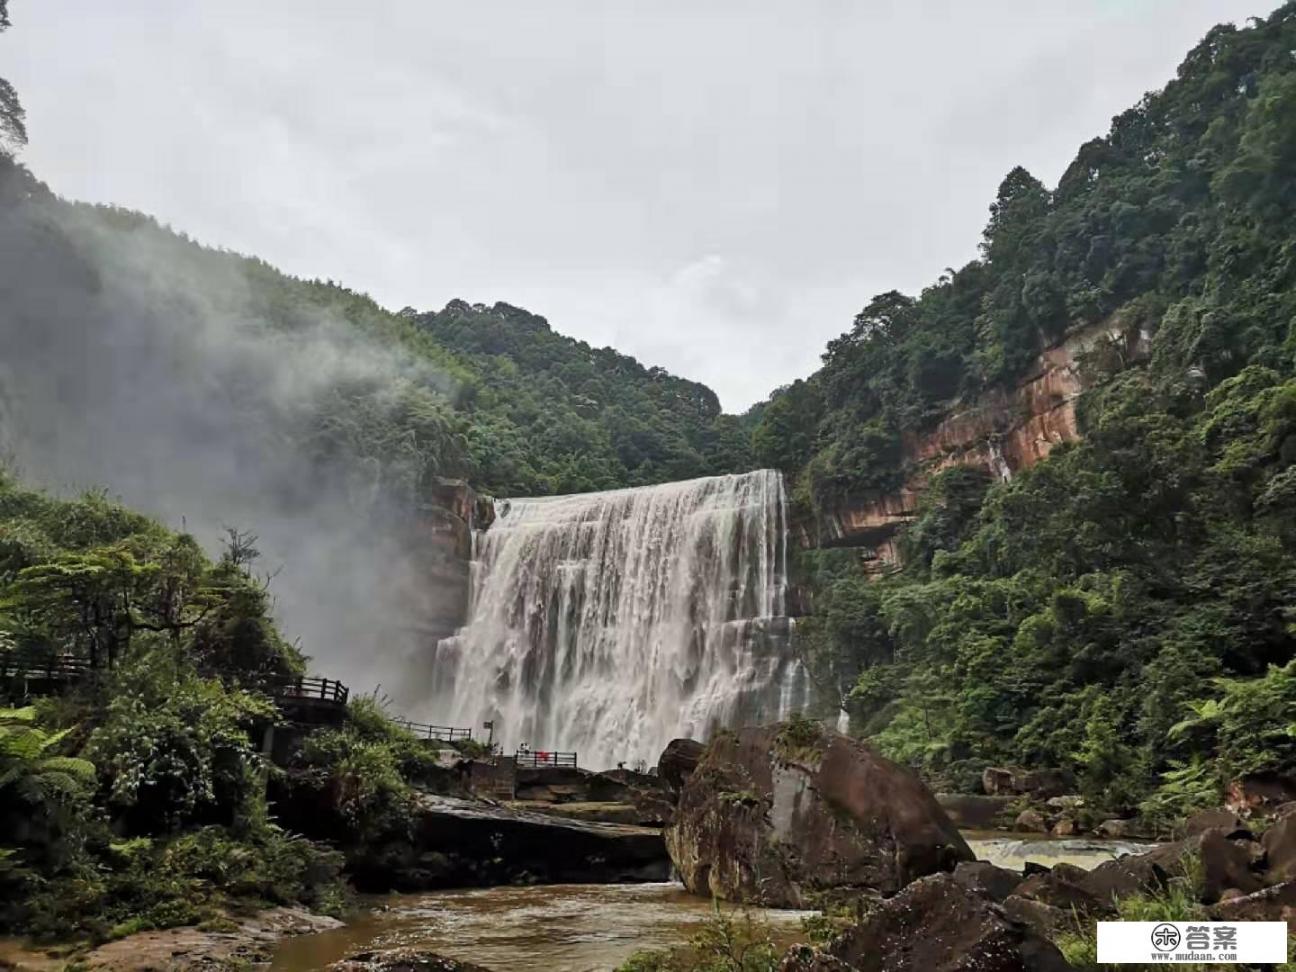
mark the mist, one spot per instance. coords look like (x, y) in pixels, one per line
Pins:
(137, 362)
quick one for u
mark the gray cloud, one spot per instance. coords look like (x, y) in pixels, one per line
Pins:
(584, 160)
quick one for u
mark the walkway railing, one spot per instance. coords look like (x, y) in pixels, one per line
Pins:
(42, 666)
(544, 759)
(440, 733)
(307, 688)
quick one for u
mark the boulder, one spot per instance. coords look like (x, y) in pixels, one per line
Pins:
(402, 960)
(1064, 826)
(973, 811)
(1071, 802)
(1062, 887)
(677, 762)
(1279, 843)
(1259, 793)
(1118, 829)
(1041, 784)
(1045, 920)
(478, 843)
(934, 925)
(1031, 822)
(1225, 864)
(989, 879)
(1277, 903)
(775, 814)
(1132, 874)
(1204, 820)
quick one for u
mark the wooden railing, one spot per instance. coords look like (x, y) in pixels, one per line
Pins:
(544, 759)
(439, 733)
(307, 688)
(42, 666)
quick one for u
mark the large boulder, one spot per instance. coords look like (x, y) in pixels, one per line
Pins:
(677, 762)
(1259, 793)
(975, 811)
(934, 925)
(1279, 843)
(778, 814)
(1040, 784)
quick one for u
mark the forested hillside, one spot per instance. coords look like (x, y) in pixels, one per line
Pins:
(493, 395)
(556, 415)
(1124, 608)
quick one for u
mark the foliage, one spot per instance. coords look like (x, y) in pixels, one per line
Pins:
(553, 415)
(136, 800)
(1179, 901)
(13, 128)
(724, 943)
(1123, 608)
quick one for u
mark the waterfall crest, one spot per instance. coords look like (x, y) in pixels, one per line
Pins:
(609, 623)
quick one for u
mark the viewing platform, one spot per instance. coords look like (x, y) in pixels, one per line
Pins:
(544, 759)
(308, 698)
(432, 733)
(25, 672)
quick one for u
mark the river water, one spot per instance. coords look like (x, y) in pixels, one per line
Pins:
(550, 928)
(594, 928)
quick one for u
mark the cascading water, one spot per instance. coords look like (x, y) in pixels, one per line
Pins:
(610, 623)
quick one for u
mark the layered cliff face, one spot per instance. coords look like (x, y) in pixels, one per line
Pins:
(1003, 431)
(444, 531)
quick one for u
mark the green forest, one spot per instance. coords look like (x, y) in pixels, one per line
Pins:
(1125, 607)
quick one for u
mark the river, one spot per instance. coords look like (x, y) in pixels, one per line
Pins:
(549, 928)
(593, 927)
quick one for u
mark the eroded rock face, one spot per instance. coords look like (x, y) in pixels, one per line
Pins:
(678, 761)
(1002, 432)
(934, 925)
(777, 814)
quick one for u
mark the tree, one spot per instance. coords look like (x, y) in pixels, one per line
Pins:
(13, 127)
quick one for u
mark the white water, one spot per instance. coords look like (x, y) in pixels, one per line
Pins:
(610, 623)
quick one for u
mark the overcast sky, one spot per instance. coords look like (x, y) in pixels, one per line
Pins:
(712, 186)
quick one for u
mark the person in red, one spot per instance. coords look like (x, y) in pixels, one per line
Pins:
(542, 756)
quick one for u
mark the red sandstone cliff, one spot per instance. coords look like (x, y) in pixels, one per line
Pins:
(1002, 432)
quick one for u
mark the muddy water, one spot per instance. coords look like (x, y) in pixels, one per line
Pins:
(594, 928)
(555, 928)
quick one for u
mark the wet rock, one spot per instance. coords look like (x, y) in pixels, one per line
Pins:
(1259, 793)
(994, 882)
(1030, 868)
(1041, 784)
(777, 813)
(677, 762)
(1277, 903)
(1069, 802)
(1204, 820)
(1132, 874)
(1118, 829)
(1045, 920)
(1031, 822)
(1225, 864)
(934, 925)
(191, 949)
(1279, 843)
(403, 960)
(1062, 887)
(1063, 827)
(488, 844)
(974, 811)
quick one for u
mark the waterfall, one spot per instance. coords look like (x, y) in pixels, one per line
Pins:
(610, 623)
